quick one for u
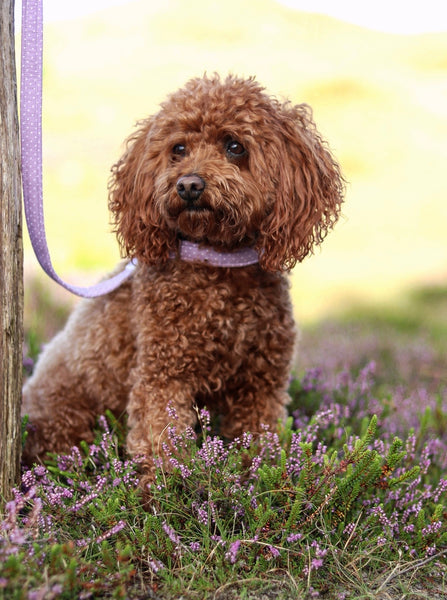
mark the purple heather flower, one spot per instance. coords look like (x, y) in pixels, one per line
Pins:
(172, 535)
(185, 471)
(103, 423)
(432, 528)
(205, 417)
(155, 565)
(440, 489)
(78, 505)
(170, 409)
(28, 479)
(316, 563)
(231, 555)
(114, 530)
(319, 552)
(216, 538)
(247, 440)
(40, 471)
(348, 530)
(195, 546)
(213, 452)
(201, 512)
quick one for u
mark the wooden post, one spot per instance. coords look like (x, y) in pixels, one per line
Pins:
(11, 261)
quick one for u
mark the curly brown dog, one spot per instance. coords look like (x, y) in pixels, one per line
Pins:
(216, 196)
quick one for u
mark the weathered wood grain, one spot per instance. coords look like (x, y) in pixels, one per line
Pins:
(11, 260)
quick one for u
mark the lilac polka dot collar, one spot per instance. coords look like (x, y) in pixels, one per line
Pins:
(193, 252)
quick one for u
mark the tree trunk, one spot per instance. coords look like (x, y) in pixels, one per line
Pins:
(11, 261)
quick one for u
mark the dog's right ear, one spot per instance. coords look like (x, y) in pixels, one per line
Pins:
(140, 230)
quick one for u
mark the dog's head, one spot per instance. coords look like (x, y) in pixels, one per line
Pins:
(225, 164)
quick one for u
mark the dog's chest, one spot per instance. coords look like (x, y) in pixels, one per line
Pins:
(214, 309)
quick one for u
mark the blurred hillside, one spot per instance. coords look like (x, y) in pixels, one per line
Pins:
(380, 100)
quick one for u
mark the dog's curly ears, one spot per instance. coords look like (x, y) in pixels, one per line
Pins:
(309, 190)
(140, 230)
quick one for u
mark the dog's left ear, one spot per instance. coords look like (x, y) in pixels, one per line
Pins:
(309, 191)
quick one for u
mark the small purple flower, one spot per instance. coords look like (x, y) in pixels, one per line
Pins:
(247, 440)
(78, 505)
(233, 550)
(440, 489)
(40, 471)
(102, 422)
(172, 535)
(155, 565)
(170, 409)
(205, 418)
(348, 530)
(113, 531)
(195, 546)
(316, 563)
(432, 528)
(201, 512)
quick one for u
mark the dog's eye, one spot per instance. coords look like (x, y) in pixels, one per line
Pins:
(235, 149)
(179, 150)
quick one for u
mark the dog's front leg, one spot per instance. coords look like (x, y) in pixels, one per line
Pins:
(152, 407)
(252, 410)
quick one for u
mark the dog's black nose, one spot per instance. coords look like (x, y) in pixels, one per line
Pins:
(189, 187)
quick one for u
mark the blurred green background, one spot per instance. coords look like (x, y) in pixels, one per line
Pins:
(380, 100)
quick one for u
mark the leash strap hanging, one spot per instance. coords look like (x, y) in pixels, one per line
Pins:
(31, 143)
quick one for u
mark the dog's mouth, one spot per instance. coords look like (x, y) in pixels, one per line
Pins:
(178, 210)
(194, 208)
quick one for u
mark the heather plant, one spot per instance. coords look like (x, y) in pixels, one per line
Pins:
(347, 500)
(308, 507)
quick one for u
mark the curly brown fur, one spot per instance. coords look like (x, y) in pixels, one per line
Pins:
(184, 333)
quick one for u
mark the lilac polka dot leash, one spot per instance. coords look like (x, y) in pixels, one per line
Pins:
(31, 142)
(31, 146)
